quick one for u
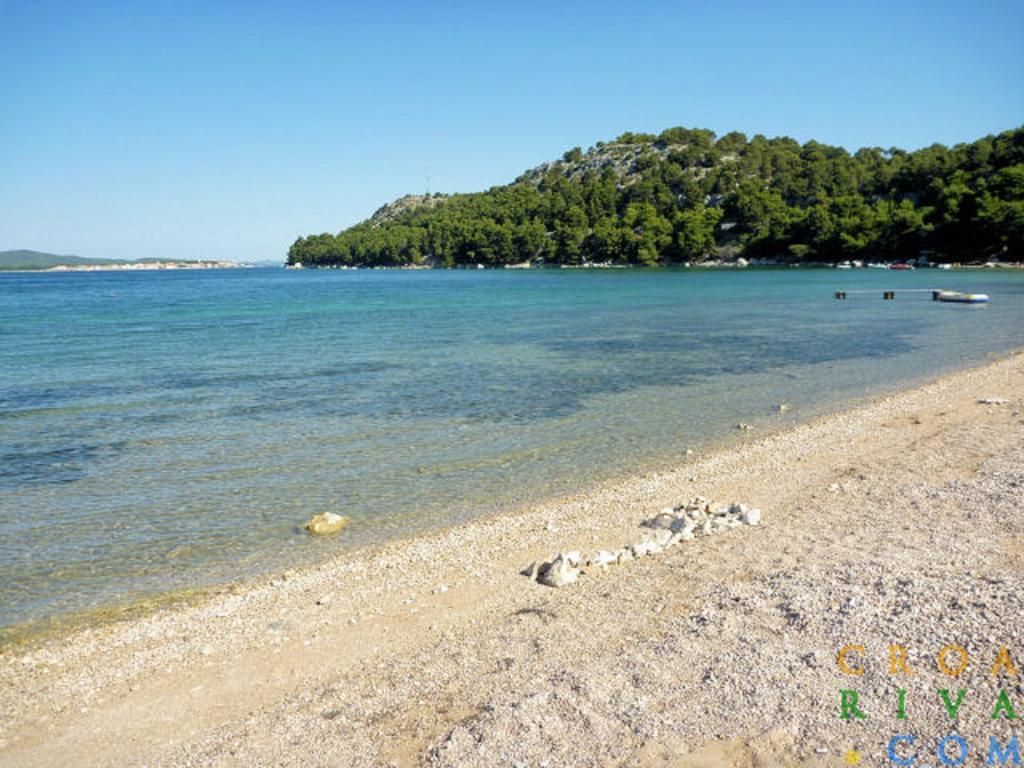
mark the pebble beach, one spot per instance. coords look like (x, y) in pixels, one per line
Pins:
(713, 642)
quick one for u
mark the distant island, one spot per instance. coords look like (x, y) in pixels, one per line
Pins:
(25, 260)
(687, 196)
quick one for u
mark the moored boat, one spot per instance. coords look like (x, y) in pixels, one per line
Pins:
(961, 298)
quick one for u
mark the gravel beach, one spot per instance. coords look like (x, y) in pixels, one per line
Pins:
(899, 522)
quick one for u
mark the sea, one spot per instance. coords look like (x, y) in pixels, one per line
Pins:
(168, 431)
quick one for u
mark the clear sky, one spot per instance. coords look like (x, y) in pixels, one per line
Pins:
(225, 129)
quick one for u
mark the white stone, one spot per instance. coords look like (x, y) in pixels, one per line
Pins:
(604, 558)
(661, 537)
(663, 519)
(648, 547)
(678, 538)
(752, 517)
(560, 571)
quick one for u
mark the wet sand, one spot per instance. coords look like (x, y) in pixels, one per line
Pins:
(900, 521)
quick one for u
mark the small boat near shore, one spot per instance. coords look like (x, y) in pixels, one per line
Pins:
(957, 297)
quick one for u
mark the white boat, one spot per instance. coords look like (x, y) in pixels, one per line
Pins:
(878, 266)
(844, 265)
(961, 298)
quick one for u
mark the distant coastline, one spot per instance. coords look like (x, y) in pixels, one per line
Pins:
(138, 266)
(38, 261)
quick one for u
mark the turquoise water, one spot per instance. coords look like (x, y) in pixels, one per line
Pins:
(163, 430)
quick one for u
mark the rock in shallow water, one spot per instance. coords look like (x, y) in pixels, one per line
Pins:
(325, 523)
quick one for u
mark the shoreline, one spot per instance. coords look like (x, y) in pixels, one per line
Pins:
(726, 266)
(131, 266)
(392, 600)
(27, 635)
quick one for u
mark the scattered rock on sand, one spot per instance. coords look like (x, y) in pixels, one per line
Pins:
(604, 558)
(646, 547)
(563, 570)
(783, 407)
(752, 517)
(325, 523)
(993, 400)
(743, 426)
(668, 528)
(663, 520)
(683, 525)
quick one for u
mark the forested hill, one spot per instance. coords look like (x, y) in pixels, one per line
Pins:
(685, 195)
(25, 259)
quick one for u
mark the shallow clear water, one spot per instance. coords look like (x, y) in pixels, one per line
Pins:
(161, 430)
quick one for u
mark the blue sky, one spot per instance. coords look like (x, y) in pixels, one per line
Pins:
(226, 129)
